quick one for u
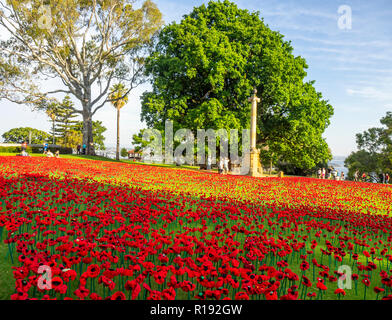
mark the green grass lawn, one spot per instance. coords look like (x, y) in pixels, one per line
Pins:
(7, 281)
(101, 158)
(65, 156)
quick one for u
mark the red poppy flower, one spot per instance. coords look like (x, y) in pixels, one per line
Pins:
(241, 296)
(306, 282)
(321, 285)
(304, 265)
(340, 292)
(119, 295)
(271, 295)
(378, 290)
(366, 282)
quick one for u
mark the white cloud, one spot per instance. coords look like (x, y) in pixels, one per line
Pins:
(340, 43)
(290, 12)
(371, 93)
(361, 69)
(386, 57)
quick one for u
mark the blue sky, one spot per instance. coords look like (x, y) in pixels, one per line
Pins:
(352, 68)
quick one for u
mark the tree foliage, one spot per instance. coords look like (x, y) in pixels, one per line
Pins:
(124, 153)
(84, 45)
(374, 153)
(71, 139)
(140, 143)
(19, 135)
(119, 97)
(98, 130)
(205, 67)
(65, 119)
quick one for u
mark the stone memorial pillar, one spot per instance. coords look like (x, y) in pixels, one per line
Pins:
(256, 170)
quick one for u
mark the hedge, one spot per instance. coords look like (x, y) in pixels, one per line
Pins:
(63, 150)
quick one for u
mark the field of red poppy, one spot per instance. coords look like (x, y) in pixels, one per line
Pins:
(113, 230)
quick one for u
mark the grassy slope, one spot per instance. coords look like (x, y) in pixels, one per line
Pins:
(100, 158)
(7, 281)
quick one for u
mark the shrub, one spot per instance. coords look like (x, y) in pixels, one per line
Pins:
(13, 149)
(124, 153)
(35, 149)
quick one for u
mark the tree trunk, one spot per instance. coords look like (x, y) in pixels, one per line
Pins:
(53, 128)
(118, 135)
(88, 132)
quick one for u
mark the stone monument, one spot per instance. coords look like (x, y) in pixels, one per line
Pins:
(255, 170)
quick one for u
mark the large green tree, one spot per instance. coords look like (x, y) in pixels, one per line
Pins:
(67, 130)
(374, 155)
(98, 130)
(51, 112)
(19, 135)
(205, 67)
(81, 46)
(66, 119)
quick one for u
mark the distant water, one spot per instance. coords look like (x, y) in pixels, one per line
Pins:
(338, 163)
(110, 152)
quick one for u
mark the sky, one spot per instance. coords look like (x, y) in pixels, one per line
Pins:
(352, 67)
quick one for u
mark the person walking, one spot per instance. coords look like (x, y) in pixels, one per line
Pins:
(84, 149)
(78, 149)
(220, 165)
(209, 162)
(387, 178)
(356, 174)
(319, 173)
(46, 147)
(342, 176)
(323, 173)
(334, 174)
(226, 165)
(24, 146)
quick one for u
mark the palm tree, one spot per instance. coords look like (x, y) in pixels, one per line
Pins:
(52, 111)
(118, 97)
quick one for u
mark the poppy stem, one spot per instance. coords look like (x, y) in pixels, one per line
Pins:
(10, 251)
(364, 297)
